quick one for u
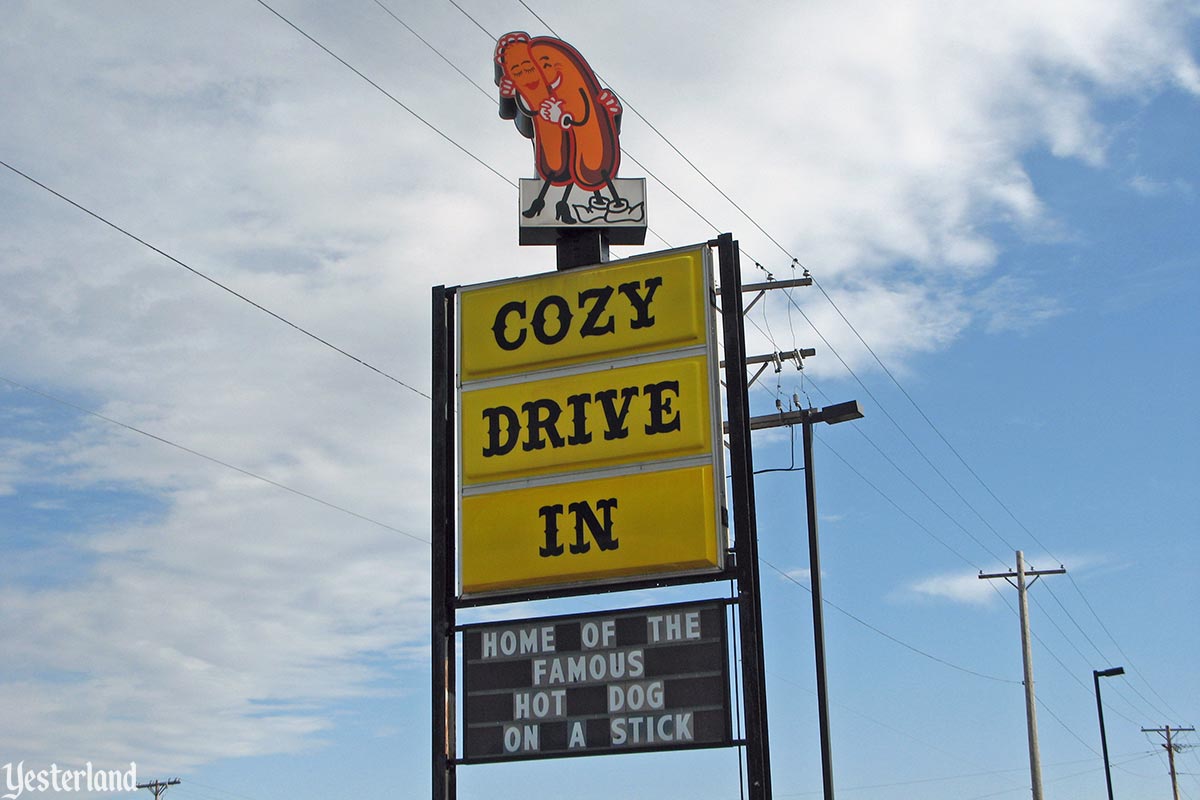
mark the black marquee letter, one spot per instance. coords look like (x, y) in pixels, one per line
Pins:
(501, 324)
(601, 532)
(495, 447)
(640, 304)
(552, 548)
(541, 415)
(579, 404)
(660, 407)
(614, 418)
(601, 295)
(539, 320)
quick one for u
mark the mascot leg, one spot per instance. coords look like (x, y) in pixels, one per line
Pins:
(538, 203)
(562, 211)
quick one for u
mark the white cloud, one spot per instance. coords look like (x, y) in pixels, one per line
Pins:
(1151, 187)
(802, 574)
(955, 587)
(1013, 304)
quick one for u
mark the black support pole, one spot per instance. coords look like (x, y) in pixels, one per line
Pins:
(814, 563)
(581, 248)
(1104, 736)
(754, 688)
(443, 544)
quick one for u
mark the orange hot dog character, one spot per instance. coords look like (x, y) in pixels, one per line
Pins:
(553, 96)
(523, 89)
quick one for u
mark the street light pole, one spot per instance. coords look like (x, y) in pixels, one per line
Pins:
(831, 415)
(807, 417)
(814, 578)
(1096, 676)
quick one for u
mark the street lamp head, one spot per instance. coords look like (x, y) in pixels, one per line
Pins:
(1108, 673)
(841, 412)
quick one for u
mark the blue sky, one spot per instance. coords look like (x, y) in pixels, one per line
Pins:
(1002, 201)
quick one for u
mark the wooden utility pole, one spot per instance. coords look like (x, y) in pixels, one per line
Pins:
(158, 787)
(1035, 763)
(1166, 732)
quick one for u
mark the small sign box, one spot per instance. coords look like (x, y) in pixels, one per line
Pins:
(622, 219)
(626, 681)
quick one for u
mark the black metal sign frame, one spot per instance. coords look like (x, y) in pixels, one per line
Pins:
(743, 571)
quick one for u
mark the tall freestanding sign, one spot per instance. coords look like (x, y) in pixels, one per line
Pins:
(578, 448)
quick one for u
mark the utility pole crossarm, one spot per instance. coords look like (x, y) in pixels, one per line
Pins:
(1171, 748)
(158, 787)
(762, 288)
(787, 284)
(798, 355)
(782, 355)
(1167, 729)
(1029, 573)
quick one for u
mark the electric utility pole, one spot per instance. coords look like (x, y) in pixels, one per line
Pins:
(1166, 732)
(1035, 763)
(158, 787)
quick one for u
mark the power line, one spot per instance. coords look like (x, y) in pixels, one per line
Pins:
(887, 727)
(915, 485)
(207, 457)
(390, 96)
(1054, 655)
(982, 774)
(1065, 726)
(488, 33)
(221, 791)
(916, 522)
(210, 279)
(1103, 657)
(936, 430)
(888, 636)
(895, 505)
(486, 93)
(1045, 646)
(1127, 660)
(931, 424)
(894, 422)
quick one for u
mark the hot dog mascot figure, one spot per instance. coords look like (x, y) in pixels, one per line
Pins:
(552, 95)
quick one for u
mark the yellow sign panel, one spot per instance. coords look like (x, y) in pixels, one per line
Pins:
(595, 419)
(590, 530)
(627, 308)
